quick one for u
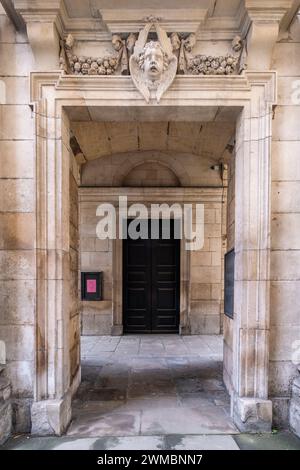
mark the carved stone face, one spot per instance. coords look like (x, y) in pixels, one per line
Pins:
(70, 41)
(130, 42)
(175, 41)
(237, 43)
(153, 61)
(190, 42)
(117, 42)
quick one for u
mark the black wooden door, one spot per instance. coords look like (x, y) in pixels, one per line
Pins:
(151, 283)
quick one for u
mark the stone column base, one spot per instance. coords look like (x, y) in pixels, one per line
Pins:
(295, 407)
(50, 417)
(185, 330)
(117, 330)
(5, 410)
(252, 414)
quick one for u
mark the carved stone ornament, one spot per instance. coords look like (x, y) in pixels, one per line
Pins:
(153, 65)
(81, 65)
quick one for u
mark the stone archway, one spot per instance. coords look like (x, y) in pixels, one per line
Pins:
(254, 95)
(164, 159)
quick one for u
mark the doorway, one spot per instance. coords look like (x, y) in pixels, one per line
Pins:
(151, 280)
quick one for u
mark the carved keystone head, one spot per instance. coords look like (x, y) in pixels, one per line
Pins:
(153, 60)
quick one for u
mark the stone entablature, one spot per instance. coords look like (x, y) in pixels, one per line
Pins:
(181, 47)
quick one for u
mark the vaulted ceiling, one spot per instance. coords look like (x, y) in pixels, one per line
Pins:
(206, 139)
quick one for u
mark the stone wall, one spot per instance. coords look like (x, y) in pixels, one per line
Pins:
(17, 219)
(285, 256)
(5, 398)
(230, 232)
(74, 308)
(205, 274)
(206, 270)
(95, 255)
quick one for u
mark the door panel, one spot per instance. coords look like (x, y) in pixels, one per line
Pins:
(136, 279)
(151, 280)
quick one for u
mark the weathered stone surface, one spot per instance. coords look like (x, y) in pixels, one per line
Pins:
(19, 342)
(280, 413)
(285, 163)
(17, 195)
(281, 374)
(17, 231)
(204, 324)
(17, 159)
(5, 409)
(51, 416)
(252, 414)
(5, 422)
(295, 407)
(21, 418)
(21, 374)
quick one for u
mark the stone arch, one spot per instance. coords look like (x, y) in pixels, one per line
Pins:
(158, 158)
(151, 173)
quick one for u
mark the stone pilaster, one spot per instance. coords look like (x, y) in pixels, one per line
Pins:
(252, 411)
(51, 410)
(265, 17)
(44, 24)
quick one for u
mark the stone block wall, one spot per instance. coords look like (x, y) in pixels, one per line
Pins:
(205, 276)
(17, 219)
(74, 305)
(206, 267)
(230, 232)
(5, 398)
(285, 239)
(95, 255)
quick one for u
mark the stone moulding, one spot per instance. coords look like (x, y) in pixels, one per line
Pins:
(78, 83)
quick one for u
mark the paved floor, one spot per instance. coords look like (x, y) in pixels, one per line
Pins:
(281, 441)
(152, 392)
(151, 386)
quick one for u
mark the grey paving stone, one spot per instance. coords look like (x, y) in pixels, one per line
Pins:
(206, 420)
(210, 442)
(114, 423)
(283, 440)
(132, 443)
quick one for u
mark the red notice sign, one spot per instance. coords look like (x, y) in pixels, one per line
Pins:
(91, 286)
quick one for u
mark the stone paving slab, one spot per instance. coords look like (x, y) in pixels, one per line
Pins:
(151, 385)
(282, 441)
(184, 420)
(182, 442)
(114, 422)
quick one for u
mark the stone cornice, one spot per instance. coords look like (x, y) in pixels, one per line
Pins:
(12, 14)
(55, 12)
(172, 20)
(131, 20)
(266, 11)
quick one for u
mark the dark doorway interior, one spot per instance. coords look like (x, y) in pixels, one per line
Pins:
(151, 283)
